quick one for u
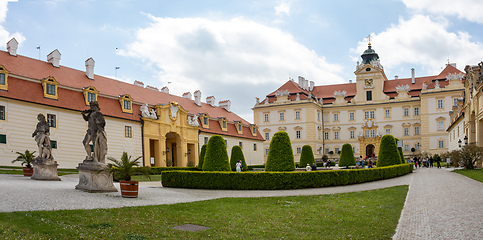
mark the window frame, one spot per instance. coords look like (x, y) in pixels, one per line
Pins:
(128, 131)
(368, 95)
(52, 120)
(416, 111)
(3, 113)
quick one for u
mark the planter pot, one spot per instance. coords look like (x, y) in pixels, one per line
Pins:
(129, 189)
(28, 171)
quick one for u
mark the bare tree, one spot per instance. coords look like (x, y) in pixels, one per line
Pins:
(467, 156)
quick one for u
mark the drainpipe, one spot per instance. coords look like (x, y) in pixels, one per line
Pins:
(142, 140)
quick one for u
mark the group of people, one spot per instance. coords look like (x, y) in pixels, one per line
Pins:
(310, 168)
(426, 162)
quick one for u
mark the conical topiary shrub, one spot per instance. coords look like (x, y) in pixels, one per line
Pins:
(216, 157)
(237, 154)
(280, 154)
(306, 157)
(347, 156)
(399, 149)
(202, 156)
(388, 153)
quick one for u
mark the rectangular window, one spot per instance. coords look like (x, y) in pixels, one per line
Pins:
(352, 133)
(267, 136)
(2, 112)
(206, 140)
(416, 111)
(388, 131)
(51, 120)
(406, 131)
(455, 101)
(265, 117)
(297, 134)
(440, 103)
(326, 117)
(254, 131)
(416, 130)
(53, 144)
(406, 112)
(406, 147)
(50, 89)
(373, 133)
(297, 114)
(128, 131)
(299, 150)
(127, 104)
(240, 144)
(441, 144)
(369, 95)
(318, 116)
(366, 133)
(3, 138)
(266, 151)
(336, 117)
(2, 78)
(91, 97)
(336, 150)
(440, 125)
(372, 114)
(387, 113)
(205, 120)
(254, 147)
(416, 146)
(224, 124)
(326, 151)
(326, 135)
(336, 135)
(366, 114)
(351, 116)
(282, 116)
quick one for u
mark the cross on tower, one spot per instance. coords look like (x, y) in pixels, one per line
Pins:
(369, 39)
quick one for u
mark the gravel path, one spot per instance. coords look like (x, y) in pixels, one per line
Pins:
(441, 205)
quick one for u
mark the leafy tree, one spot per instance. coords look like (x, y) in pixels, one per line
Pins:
(280, 154)
(325, 158)
(399, 149)
(388, 152)
(436, 157)
(237, 154)
(307, 156)
(467, 156)
(202, 156)
(125, 168)
(347, 156)
(25, 158)
(216, 156)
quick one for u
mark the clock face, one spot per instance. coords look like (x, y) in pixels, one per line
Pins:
(368, 82)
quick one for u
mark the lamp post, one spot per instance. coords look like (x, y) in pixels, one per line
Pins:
(466, 140)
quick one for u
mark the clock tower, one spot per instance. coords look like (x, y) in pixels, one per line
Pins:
(370, 78)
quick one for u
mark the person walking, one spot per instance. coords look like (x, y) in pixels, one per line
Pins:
(431, 161)
(238, 166)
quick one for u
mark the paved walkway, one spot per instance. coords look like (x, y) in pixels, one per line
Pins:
(442, 205)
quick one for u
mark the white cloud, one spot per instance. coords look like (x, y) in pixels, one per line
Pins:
(283, 9)
(5, 36)
(423, 42)
(472, 10)
(197, 53)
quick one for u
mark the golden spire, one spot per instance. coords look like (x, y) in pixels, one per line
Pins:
(369, 39)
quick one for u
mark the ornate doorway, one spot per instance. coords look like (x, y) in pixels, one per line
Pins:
(370, 150)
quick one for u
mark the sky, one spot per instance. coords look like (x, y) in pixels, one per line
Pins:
(240, 50)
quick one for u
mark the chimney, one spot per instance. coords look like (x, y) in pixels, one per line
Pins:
(152, 88)
(198, 97)
(350, 80)
(312, 84)
(54, 58)
(413, 80)
(187, 95)
(306, 84)
(90, 68)
(138, 83)
(12, 46)
(225, 104)
(211, 100)
(396, 77)
(165, 90)
(301, 81)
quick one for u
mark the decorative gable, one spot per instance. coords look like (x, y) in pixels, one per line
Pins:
(90, 94)
(223, 124)
(126, 103)
(50, 87)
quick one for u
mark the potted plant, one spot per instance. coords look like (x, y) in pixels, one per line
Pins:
(26, 159)
(123, 170)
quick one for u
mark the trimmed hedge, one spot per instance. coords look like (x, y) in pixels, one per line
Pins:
(306, 157)
(347, 156)
(399, 149)
(202, 156)
(159, 170)
(388, 153)
(279, 180)
(237, 154)
(216, 156)
(280, 154)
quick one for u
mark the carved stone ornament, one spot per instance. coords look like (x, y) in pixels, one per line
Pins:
(436, 84)
(193, 121)
(340, 93)
(282, 93)
(298, 97)
(146, 113)
(173, 111)
(455, 76)
(369, 123)
(402, 88)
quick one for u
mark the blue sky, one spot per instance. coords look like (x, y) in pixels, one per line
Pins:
(239, 50)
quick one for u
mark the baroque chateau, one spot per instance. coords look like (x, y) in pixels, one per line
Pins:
(415, 110)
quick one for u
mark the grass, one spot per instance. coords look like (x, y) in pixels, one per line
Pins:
(476, 174)
(369, 214)
(18, 170)
(143, 178)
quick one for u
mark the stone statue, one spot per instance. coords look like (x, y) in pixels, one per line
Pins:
(95, 133)
(298, 97)
(42, 137)
(193, 121)
(258, 101)
(146, 113)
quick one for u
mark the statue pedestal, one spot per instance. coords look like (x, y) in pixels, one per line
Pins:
(94, 177)
(45, 170)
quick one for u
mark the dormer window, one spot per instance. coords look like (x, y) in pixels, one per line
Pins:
(50, 86)
(205, 123)
(239, 127)
(126, 103)
(3, 78)
(90, 94)
(222, 121)
(253, 129)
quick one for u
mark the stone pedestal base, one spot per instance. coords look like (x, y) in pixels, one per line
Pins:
(94, 177)
(45, 171)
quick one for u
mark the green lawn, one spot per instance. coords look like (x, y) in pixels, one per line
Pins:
(369, 214)
(476, 174)
(143, 178)
(18, 170)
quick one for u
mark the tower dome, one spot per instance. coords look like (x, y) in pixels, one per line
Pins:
(369, 55)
